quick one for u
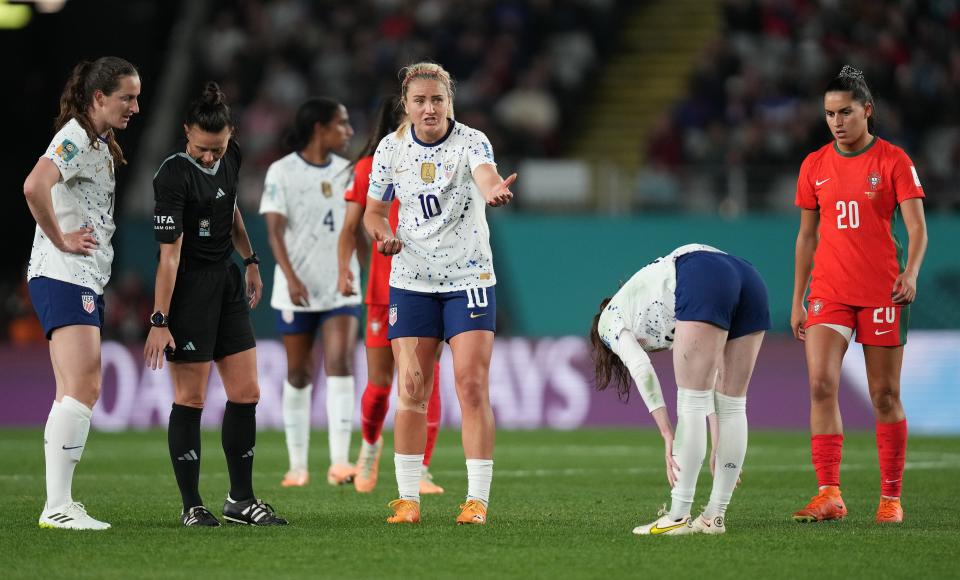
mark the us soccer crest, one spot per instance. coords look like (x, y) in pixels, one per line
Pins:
(326, 189)
(393, 314)
(89, 305)
(428, 172)
(817, 306)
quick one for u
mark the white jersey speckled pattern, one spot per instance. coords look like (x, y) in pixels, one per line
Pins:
(84, 197)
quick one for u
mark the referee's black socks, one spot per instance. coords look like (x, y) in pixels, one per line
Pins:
(239, 437)
(183, 439)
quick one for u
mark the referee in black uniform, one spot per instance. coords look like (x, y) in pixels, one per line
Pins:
(202, 308)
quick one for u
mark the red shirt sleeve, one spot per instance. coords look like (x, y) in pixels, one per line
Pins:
(806, 194)
(361, 182)
(906, 182)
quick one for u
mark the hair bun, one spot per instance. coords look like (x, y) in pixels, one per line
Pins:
(212, 95)
(850, 72)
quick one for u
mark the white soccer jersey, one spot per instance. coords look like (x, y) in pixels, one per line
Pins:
(645, 309)
(84, 197)
(443, 224)
(311, 198)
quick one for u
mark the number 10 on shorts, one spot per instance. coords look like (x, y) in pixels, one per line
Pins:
(476, 297)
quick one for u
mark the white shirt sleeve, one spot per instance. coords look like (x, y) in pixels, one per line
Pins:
(381, 172)
(274, 198)
(638, 363)
(67, 150)
(479, 151)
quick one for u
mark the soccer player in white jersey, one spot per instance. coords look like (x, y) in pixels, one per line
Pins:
(442, 284)
(71, 196)
(711, 309)
(304, 207)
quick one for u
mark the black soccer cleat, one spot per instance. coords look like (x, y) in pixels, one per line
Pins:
(252, 512)
(199, 516)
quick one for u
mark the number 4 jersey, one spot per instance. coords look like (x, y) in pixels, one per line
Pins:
(311, 198)
(442, 221)
(858, 196)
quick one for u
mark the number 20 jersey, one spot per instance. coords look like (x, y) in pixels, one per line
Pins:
(442, 221)
(858, 195)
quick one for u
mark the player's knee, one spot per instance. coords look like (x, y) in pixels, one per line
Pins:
(244, 394)
(822, 389)
(339, 366)
(299, 378)
(412, 394)
(194, 400)
(472, 392)
(885, 400)
(380, 377)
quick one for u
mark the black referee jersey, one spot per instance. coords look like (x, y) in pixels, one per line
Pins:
(198, 202)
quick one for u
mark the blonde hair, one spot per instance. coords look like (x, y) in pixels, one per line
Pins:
(430, 71)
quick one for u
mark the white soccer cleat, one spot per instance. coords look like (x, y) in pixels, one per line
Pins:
(72, 516)
(704, 525)
(665, 526)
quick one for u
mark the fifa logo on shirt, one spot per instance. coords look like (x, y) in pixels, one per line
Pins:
(428, 172)
(88, 303)
(326, 189)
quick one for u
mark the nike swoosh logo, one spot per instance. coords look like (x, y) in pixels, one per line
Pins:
(819, 183)
(655, 530)
(878, 333)
(65, 448)
(475, 315)
(402, 170)
(891, 481)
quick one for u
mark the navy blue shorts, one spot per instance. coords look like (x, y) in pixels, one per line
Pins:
(723, 290)
(298, 322)
(60, 304)
(441, 314)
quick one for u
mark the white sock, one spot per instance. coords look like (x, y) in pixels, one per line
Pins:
(46, 428)
(408, 475)
(66, 435)
(340, 403)
(479, 477)
(689, 447)
(296, 423)
(731, 449)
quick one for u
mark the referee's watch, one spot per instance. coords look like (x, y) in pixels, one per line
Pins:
(159, 319)
(253, 259)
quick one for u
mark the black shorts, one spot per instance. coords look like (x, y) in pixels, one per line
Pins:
(209, 315)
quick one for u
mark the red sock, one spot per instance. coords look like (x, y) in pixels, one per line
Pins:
(373, 410)
(433, 416)
(892, 449)
(826, 451)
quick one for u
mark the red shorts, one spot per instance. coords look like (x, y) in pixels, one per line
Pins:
(376, 336)
(883, 326)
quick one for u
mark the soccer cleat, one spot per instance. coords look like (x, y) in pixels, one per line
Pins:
(704, 525)
(664, 525)
(296, 478)
(427, 487)
(341, 473)
(826, 505)
(253, 512)
(199, 516)
(368, 468)
(405, 511)
(472, 512)
(72, 516)
(890, 511)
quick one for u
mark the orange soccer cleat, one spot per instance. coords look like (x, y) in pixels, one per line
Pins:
(427, 487)
(890, 511)
(341, 473)
(472, 512)
(826, 505)
(405, 511)
(368, 468)
(296, 478)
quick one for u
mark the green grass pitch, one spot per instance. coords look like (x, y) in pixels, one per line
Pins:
(563, 505)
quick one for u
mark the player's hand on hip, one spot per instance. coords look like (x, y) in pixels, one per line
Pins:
(299, 295)
(388, 246)
(501, 194)
(79, 242)
(672, 467)
(158, 341)
(254, 285)
(798, 322)
(904, 289)
(345, 283)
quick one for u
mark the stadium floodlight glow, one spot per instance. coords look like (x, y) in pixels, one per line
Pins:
(49, 6)
(13, 16)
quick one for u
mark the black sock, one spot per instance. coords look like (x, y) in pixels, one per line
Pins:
(183, 438)
(239, 437)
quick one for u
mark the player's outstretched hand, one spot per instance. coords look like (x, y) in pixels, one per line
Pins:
(80, 242)
(345, 283)
(501, 194)
(254, 285)
(158, 341)
(388, 246)
(798, 320)
(904, 289)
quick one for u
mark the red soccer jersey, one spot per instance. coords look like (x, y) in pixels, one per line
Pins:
(378, 287)
(858, 195)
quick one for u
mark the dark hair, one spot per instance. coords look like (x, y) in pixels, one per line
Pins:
(87, 78)
(850, 80)
(607, 366)
(209, 112)
(389, 117)
(316, 110)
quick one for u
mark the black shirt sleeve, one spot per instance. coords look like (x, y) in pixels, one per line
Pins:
(170, 196)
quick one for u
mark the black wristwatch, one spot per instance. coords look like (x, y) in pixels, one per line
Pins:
(159, 319)
(253, 259)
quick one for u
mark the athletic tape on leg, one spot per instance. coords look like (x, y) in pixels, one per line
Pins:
(410, 373)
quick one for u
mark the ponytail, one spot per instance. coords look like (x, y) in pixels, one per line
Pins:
(209, 112)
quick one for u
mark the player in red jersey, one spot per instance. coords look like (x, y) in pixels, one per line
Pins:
(850, 192)
(380, 363)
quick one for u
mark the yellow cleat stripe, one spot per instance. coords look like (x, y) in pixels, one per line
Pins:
(655, 530)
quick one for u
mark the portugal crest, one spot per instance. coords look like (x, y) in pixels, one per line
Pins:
(817, 306)
(88, 303)
(874, 180)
